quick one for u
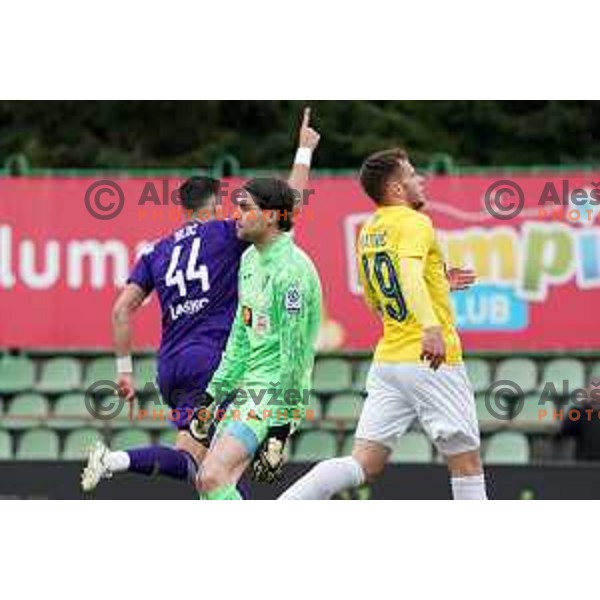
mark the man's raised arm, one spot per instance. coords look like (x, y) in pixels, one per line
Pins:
(308, 140)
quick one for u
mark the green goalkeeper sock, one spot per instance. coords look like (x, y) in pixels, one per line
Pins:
(227, 492)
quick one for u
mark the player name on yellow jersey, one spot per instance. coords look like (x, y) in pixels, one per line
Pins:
(393, 233)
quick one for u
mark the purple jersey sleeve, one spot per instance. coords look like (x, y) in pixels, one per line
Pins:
(141, 274)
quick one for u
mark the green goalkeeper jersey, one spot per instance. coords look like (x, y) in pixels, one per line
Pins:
(270, 352)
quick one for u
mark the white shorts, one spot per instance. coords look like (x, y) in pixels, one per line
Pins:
(441, 400)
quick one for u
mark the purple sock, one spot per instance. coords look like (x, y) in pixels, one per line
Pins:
(243, 490)
(164, 460)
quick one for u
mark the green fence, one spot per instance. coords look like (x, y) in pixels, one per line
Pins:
(229, 165)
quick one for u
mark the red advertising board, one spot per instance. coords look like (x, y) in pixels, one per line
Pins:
(539, 272)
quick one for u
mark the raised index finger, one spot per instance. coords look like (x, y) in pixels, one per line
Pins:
(306, 117)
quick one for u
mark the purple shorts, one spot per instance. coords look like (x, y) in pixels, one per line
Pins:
(182, 381)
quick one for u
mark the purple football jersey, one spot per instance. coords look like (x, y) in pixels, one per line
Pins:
(194, 272)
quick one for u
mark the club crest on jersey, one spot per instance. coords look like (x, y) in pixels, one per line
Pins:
(293, 300)
(247, 316)
(262, 324)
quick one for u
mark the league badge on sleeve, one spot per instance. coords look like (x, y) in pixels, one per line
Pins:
(293, 300)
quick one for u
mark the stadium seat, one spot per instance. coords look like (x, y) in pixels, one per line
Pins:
(556, 371)
(595, 371)
(485, 415)
(531, 410)
(507, 448)
(99, 369)
(130, 438)
(552, 415)
(345, 407)
(528, 411)
(144, 371)
(26, 411)
(332, 375)
(167, 437)
(314, 404)
(360, 377)
(17, 374)
(314, 445)
(347, 446)
(479, 372)
(6, 452)
(38, 444)
(412, 447)
(116, 411)
(60, 375)
(70, 412)
(522, 371)
(78, 443)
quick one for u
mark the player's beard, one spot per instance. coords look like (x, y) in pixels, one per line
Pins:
(419, 204)
(417, 201)
(416, 198)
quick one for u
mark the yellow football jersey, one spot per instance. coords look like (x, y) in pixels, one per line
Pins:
(392, 233)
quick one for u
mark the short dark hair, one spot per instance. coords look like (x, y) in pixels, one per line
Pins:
(273, 194)
(377, 170)
(196, 191)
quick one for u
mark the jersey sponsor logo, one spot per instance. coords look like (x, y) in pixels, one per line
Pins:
(189, 307)
(293, 300)
(247, 316)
